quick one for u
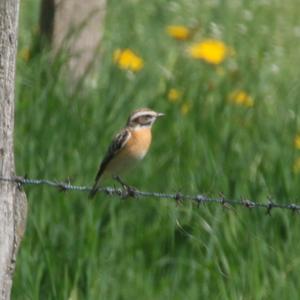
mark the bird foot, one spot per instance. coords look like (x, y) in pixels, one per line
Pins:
(129, 190)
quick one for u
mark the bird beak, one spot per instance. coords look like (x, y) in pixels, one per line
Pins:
(160, 115)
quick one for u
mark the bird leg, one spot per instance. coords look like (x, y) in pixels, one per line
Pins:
(129, 190)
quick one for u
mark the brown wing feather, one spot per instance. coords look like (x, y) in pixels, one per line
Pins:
(116, 145)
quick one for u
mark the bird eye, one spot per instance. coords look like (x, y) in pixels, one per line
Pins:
(143, 119)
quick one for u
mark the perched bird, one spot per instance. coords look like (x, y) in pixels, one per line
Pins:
(128, 147)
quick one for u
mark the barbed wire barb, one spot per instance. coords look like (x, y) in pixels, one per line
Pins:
(127, 191)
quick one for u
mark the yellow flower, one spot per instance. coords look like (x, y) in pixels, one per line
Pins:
(174, 95)
(297, 141)
(240, 97)
(296, 166)
(126, 59)
(178, 32)
(25, 54)
(185, 108)
(209, 50)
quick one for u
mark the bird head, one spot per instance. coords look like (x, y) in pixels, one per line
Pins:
(142, 118)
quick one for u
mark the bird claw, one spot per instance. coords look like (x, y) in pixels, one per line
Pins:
(129, 191)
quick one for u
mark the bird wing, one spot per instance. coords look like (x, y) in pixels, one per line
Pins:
(116, 145)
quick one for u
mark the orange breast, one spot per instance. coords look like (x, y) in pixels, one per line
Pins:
(135, 149)
(139, 143)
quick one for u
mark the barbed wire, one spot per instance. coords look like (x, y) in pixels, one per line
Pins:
(131, 192)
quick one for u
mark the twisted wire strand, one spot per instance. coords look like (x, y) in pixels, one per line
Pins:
(131, 192)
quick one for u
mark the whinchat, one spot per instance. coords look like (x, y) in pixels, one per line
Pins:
(129, 146)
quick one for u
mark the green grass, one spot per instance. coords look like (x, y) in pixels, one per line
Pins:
(154, 249)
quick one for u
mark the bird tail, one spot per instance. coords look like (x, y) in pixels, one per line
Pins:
(96, 185)
(94, 190)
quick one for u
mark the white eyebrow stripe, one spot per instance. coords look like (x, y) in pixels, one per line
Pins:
(143, 113)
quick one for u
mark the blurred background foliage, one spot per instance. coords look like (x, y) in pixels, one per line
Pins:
(226, 73)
